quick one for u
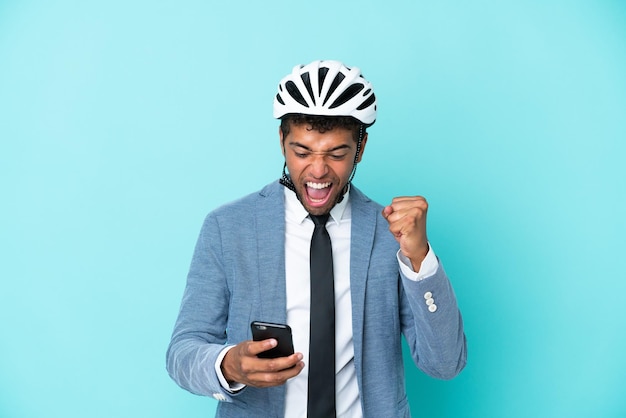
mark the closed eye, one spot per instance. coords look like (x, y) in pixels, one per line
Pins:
(336, 154)
(337, 157)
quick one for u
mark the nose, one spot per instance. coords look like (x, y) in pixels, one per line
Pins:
(319, 168)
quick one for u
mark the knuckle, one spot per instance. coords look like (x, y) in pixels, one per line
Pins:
(420, 210)
(268, 379)
(246, 367)
(276, 378)
(244, 348)
(272, 366)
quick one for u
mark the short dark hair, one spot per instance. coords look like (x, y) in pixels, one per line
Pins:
(321, 123)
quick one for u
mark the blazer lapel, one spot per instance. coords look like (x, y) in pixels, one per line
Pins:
(362, 240)
(270, 224)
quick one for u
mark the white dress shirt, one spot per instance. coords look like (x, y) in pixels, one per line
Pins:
(298, 231)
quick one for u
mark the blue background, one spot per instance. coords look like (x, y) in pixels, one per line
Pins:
(122, 123)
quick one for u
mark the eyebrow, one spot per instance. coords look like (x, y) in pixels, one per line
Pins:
(337, 148)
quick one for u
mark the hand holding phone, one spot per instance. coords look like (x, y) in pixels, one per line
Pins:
(280, 332)
(245, 363)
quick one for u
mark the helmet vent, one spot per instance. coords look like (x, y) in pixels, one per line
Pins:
(292, 89)
(348, 94)
(321, 77)
(338, 79)
(280, 99)
(367, 102)
(307, 83)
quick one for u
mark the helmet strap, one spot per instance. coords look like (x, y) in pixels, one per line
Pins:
(359, 144)
(285, 180)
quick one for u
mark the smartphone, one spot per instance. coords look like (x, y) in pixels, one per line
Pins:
(279, 332)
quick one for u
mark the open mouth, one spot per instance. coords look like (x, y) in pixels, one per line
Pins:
(318, 193)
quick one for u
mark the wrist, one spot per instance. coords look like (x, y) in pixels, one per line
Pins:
(417, 257)
(222, 369)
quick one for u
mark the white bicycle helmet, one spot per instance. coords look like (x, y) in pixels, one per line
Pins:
(326, 88)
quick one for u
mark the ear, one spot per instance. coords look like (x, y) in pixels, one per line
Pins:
(363, 143)
(282, 140)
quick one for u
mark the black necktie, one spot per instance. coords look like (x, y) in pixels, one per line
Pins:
(321, 396)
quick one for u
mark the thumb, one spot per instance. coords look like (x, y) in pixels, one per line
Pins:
(387, 210)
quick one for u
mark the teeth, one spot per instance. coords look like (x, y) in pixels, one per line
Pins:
(317, 185)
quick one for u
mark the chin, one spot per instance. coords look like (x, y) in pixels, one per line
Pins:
(322, 210)
(318, 210)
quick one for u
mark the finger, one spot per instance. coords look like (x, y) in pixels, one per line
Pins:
(268, 379)
(251, 363)
(401, 225)
(294, 369)
(387, 210)
(253, 348)
(411, 212)
(406, 198)
(400, 203)
(279, 363)
(272, 372)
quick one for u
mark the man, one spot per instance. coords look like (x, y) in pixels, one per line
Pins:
(256, 260)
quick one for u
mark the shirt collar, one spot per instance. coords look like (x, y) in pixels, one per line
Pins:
(296, 212)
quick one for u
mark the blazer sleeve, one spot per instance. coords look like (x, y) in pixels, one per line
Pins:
(200, 331)
(435, 335)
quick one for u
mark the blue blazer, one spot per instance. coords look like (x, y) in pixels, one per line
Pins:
(237, 275)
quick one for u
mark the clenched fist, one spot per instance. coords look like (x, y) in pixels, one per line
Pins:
(407, 222)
